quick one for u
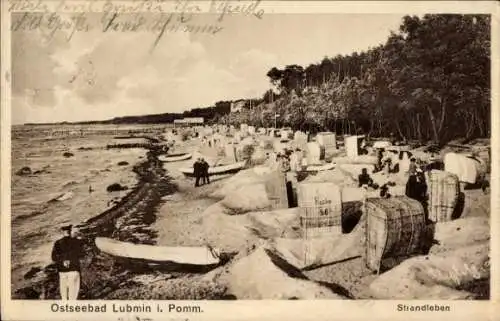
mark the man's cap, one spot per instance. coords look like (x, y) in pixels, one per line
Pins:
(67, 227)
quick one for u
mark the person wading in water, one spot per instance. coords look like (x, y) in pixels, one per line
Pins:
(66, 254)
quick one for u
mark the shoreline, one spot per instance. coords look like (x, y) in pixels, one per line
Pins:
(129, 220)
(82, 179)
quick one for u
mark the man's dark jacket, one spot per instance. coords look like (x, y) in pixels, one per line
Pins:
(70, 249)
(197, 168)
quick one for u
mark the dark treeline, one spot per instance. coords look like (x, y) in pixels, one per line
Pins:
(429, 81)
(208, 113)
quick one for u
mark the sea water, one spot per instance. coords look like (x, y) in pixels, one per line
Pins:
(35, 219)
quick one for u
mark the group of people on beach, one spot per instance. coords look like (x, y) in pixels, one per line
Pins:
(200, 171)
(211, 142)
(416, 186)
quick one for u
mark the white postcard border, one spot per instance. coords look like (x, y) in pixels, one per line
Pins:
(270, 310)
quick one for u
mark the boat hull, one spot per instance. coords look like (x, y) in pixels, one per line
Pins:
(214, 171)
(320, 168)
(199, 256)
(174, 157)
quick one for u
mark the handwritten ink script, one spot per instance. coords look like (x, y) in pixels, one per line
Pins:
(151, 16)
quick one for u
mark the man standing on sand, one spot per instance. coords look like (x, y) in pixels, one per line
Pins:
(66, 254)
(204, 173)
(197, 171)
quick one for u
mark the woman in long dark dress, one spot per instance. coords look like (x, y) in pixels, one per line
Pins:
(411, 187)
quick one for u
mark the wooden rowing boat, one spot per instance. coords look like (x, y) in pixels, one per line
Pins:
(319, 168)
(217, 170)
(158, 254)
(174, 157)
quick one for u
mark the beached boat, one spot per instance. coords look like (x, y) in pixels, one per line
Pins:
(319, 168)
(158, 254)
(217, 170)
(174, 157)
(360, 159)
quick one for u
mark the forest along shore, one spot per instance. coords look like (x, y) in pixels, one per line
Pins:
(128, 220)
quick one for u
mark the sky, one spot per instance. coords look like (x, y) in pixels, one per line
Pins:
(97, 75)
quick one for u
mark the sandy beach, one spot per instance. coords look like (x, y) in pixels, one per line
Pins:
(164, 208)
(194, 217)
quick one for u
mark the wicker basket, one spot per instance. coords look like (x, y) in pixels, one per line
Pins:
(394, 229)
(351, 146)
(468, 169)
(296, 161)
(300, 140)
(328, 141)
(443, 195)
(245, 151)
(230, 152)
(258, 157)
(320, 206)
(315, 153)
(276, 189)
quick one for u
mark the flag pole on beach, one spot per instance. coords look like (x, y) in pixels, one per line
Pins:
(275, 111)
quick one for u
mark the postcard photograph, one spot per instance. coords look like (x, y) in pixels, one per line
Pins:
(232, 153)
